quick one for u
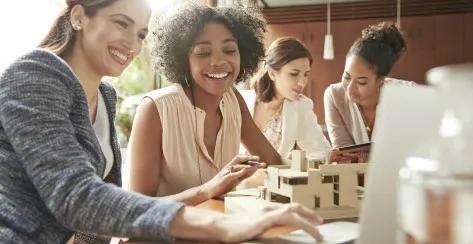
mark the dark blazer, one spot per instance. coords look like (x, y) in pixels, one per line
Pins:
(114, 176)
(51, 162)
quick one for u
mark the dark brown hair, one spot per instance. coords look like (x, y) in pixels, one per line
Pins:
(176, 33)
(61, 35)
(380, 46)
(280, 52)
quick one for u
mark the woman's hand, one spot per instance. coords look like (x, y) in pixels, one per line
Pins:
(231, 175)
(240, 228)
(342, 157)
(206, 225)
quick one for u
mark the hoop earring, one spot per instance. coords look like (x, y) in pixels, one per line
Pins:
(241, 77)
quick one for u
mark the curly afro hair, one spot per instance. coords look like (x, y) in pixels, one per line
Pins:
(176, 33)
(380, 46)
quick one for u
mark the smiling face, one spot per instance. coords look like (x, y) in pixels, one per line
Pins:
(110, 39)
(214, 59)
(360, 82)
(291, 79)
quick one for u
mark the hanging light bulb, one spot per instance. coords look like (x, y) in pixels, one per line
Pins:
(328, 44)
(398, 22)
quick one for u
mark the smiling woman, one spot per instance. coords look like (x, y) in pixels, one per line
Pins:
(204, 51)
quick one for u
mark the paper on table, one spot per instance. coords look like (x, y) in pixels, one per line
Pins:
(244, 192)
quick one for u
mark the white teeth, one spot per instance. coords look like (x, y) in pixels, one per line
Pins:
(119, 55)
(218, 75)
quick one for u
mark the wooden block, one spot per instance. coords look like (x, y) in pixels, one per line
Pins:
(299, 161)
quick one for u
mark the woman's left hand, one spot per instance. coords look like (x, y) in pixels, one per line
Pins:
(231, 175)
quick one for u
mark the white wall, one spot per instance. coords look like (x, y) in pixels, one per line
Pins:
(23, 23)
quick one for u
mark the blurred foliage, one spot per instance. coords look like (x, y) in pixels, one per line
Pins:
(136, 80)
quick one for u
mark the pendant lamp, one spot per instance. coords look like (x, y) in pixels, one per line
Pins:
(328, 44)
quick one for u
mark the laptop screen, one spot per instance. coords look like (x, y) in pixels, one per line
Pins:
(406, 117)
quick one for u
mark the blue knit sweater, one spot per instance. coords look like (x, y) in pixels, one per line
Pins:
(51, 162)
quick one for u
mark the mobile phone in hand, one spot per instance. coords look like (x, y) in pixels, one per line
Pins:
(250, 163)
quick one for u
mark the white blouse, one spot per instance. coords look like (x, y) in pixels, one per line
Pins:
(102, 131)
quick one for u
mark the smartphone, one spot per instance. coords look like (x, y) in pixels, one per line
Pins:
(250, 162)
(364, 147)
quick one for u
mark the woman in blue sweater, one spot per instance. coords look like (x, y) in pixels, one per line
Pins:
(58, 142)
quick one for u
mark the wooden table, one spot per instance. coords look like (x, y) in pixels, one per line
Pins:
(219, 206)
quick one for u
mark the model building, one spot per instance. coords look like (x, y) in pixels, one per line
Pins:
(335, 190)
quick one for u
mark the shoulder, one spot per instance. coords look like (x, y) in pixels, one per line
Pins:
(40, 72)
(303, 104)
(335, 96)
(394, 81)
(37, 64)
(335, 90)
(165, 93)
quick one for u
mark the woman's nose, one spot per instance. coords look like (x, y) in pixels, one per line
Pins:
(217, 60)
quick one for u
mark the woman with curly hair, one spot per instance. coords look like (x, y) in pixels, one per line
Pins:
(185, 137)
(350, 105)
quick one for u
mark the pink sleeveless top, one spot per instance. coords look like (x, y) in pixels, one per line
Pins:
(186, 162)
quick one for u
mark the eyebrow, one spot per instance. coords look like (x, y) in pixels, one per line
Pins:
(127, 18)
(208, 42)
(124, 16)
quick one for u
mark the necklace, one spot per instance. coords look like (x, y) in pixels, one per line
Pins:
(196, 140)
(368, 124)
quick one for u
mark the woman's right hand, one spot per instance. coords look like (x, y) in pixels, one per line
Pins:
(240, 228)
(231, 175)
(206, 225)
(341, 156)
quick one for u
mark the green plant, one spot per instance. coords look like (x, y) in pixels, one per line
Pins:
(135, 80)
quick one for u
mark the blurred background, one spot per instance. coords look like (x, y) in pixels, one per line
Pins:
(438, 32)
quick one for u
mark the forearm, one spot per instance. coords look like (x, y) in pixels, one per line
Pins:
(205, 225)
(197, 224)
(192, 196)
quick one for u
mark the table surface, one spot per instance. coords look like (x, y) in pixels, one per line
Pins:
(219, 206)
(271, 233)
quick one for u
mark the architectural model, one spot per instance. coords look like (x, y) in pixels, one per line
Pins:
(334, 190)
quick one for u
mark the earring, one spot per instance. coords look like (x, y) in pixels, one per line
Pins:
(77, 27)
(187, 81)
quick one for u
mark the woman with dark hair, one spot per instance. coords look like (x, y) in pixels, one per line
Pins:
(185, 135)
(350, 105)
(280, 110)
(58, 142)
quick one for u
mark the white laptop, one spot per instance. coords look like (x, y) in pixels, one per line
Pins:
(407, 117)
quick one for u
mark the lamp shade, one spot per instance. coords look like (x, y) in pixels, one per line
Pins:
(328, 47)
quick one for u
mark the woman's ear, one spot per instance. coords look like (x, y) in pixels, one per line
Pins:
(380, 80)
(271, 74)
(78, 16)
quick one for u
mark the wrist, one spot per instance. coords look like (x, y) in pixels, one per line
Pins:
(205, 192)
